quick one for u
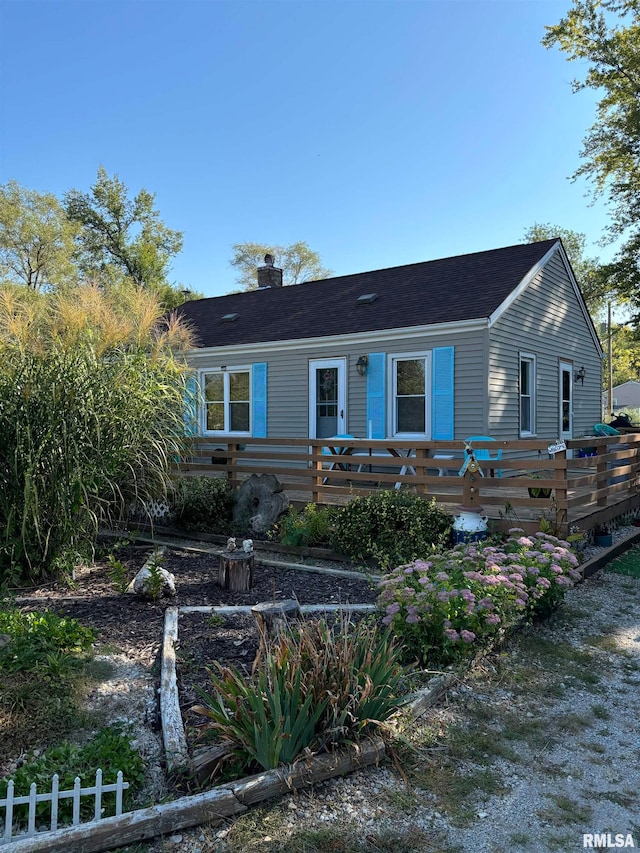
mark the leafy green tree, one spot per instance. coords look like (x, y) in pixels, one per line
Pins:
(587, 270)
(606, 35)
(36, 239)
(121, 235)
(625, 351)
(297, 261)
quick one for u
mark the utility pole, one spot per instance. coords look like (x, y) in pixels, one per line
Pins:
(610, 358)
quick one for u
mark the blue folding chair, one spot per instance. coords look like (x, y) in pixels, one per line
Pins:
(483, 453)
(605, 429)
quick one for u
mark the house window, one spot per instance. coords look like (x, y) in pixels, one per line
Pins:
(411, 387)
(227, 401)
(527, 394)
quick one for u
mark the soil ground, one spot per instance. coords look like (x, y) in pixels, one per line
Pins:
(135, 626)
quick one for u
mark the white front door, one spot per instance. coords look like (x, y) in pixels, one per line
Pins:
(327, 409)
(566, 400)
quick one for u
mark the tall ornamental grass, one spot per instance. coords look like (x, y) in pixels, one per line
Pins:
(442, 609)
(92, 401)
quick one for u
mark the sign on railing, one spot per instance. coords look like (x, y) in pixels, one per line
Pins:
(54, 796)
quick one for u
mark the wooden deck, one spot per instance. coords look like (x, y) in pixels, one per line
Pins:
(586, 490)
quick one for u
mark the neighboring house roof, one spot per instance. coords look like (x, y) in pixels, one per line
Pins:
(466, 287)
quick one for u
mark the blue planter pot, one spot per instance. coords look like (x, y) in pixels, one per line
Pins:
(603, 541)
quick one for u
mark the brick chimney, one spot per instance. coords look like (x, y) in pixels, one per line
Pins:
(268, 275)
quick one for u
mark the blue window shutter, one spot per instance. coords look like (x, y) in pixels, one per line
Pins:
(376, 403)
(259, 399)
(443, 394)
(191, 406)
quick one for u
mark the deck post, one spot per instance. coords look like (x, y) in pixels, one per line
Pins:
(232, 463)
(560, 484)
(421, 469)
(316, 456)
(601, 472)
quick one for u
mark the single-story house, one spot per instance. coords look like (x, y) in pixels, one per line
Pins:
(496, 343)
(625, 396)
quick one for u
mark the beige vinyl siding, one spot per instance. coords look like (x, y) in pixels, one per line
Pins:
(545, 321)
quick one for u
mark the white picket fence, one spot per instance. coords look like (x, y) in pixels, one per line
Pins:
(54, 796)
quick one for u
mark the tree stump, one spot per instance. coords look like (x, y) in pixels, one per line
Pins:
(235, 570)
(272, 616)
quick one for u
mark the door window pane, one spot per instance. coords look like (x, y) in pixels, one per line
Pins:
(566, 401)
(527, 395)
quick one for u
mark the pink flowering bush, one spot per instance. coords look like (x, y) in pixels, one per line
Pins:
(547, 565)
(444, 608)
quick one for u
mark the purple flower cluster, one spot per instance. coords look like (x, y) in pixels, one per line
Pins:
(444, 607)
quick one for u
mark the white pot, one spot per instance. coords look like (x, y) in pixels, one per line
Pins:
(469, 527)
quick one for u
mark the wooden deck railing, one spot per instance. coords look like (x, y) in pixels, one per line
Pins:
(586, 489)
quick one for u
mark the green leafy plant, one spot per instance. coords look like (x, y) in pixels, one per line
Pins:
(118, 574)
(390, 527)
(310, 526)
(355, 666)
(539, 491)
(267, 718)
(42, 673)
(155, 581)
(110, 750)
(203, 503)
(38, 637)
(315, 684)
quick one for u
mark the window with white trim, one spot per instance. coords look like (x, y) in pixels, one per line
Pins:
(527, 394)
(411, 394)
(227, 401)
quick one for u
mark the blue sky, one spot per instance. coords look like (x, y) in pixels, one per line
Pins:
(381, 132)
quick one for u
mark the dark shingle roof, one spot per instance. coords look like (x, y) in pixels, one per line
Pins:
(465, 287)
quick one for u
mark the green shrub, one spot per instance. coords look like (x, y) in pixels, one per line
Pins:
(311, 526)
(204, 503)
(109, 750)
(390, 527)
(445, 607)
(37, 638)
(41, 677)
(315, 684)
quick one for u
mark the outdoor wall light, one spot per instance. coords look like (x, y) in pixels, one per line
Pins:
(361, 365)
(580, 375)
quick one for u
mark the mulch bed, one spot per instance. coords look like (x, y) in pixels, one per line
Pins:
(134, 627)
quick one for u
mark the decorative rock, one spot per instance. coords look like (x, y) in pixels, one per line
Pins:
(247, 546)
(152, 581)
(5, 639)
(260, 501)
